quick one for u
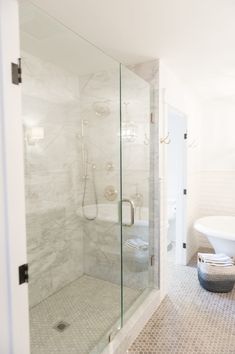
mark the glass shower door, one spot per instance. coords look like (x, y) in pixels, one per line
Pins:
(136, 237)
(71, 120)
(87, 153)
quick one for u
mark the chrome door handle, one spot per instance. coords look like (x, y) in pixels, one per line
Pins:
(132, 211)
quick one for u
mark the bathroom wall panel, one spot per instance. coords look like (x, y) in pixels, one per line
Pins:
(102, 254)
(217, 175)
(217, 196)
(53, 186)
(55, 252)
(100, 131)
(102, 239)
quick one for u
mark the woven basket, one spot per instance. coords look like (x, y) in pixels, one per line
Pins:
(216, 279)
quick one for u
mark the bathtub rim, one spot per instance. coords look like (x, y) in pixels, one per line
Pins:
(215, 231)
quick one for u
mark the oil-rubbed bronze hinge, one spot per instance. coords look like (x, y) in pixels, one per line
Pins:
(152, 260)
(23, 274)
(16, 73)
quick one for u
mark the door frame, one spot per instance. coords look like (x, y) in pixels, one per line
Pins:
(14, 335)
(181, 202)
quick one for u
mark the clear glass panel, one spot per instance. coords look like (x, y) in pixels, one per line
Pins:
(71, 118)
(136, 242)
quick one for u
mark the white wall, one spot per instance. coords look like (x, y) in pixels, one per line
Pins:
(5, 333)
(176, 129)
(13, 297)
(176, 177)
(178, 95)
(52, 176)
(217, 192)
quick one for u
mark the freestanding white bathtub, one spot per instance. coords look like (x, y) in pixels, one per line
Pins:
(220, 231)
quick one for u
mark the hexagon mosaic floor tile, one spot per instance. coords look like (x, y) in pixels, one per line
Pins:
(76, 318)
(190, 320)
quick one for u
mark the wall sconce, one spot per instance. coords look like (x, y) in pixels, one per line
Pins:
(129, 132)
(129, 128)
(34, 135)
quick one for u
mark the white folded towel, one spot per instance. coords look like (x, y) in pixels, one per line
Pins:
(218, 260)
(137, 243)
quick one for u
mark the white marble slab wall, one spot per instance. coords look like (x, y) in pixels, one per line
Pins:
(79, 121)
(51, 118)
(100, 111)
(102, 132)
(102, 142)
(102, 254)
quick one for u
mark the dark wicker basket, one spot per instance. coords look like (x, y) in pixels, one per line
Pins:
(215, 286)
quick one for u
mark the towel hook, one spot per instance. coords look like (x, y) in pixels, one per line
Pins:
(166, 139)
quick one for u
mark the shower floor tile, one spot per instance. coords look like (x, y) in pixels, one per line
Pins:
(89, 307)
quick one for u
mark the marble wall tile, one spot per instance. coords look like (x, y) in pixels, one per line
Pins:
(53, 188)
(102, 254)
(55, 252)
(62, 246)
(102, 248)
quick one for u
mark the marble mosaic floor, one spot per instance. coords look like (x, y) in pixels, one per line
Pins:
(90, 306)
(189, 320)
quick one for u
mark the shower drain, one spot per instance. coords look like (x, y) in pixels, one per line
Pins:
(61, 326)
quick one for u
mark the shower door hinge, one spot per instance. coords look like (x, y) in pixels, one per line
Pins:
(151, 118)
(184, 245)
(16, 72)
(113, 334)
(23, 274)
(185, 191)
(185, 136)
(152, 260)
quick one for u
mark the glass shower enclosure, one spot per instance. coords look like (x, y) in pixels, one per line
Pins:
(87, 167)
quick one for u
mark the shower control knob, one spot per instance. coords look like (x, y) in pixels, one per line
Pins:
(110, 193)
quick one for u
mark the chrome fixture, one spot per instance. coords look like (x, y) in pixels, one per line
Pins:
(101, 108)
(132, 208)
(129, 132)
(86, 164)
(109, 167)
(110, 193)
(138, 199)
(129, 127)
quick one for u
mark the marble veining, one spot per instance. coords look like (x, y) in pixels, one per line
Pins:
(62, 246)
